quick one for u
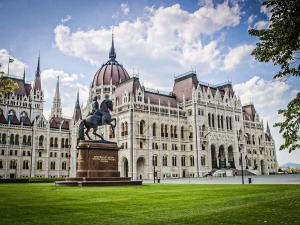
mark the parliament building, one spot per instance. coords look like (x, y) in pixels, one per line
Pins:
(194, 130)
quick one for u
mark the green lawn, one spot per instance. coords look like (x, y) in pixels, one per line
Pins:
(150, 204)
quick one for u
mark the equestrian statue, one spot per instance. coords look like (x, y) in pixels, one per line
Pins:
(98, 117)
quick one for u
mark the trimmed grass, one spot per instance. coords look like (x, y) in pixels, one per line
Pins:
(150, 204)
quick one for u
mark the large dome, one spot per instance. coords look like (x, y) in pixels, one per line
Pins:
(111, 72)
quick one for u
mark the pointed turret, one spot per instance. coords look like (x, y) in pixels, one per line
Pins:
(77, 111)
(112, 52)
(268, 130)
(56, 110)
(37, 80)
(24, 75)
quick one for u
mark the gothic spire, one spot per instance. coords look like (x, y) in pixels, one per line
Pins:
(56, 110)
(268, 129)
(112, 52)
(77, 111)
(37, 80)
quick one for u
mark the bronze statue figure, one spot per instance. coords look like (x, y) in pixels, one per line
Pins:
(98, 117)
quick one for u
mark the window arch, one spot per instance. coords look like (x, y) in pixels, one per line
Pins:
(3, 138)
(52, 165)
(209, 122)
(17, 139)
(213, 120)
(24, 140)
(41, 141)
(122, 129)
(39, 165)
(183, 160)
(13, 164)
(162, 130)
(166, 130)
(154, 130)
(12, 139)
(25, 165)
(67, 143)
(174, 160)
(182, 132)
(64, 165)
(192, 161)
(165, 160)
(56, 142)
(126, 129)
(51, 142)
(62, 143)
(142, 127)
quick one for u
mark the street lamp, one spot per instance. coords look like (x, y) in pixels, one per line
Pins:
(240, 149)
(153, 161)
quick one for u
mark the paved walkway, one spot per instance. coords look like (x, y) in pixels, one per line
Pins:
(272, 179)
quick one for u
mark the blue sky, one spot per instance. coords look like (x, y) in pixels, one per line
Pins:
(156, 39)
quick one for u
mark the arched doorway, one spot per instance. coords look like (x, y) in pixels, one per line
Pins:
(231, 157)
(214, 164)
(125, 167)
(222, 158)
(262, 167)
(140, 167)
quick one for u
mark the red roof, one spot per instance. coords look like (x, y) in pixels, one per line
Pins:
(57, 122)
(164, 100)
(249, 112)
(183, 86)
(2, 119)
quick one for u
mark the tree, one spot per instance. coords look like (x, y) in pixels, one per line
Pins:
(7, 85)
(280, 44)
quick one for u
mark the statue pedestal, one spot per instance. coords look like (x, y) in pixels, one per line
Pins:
(97, 165)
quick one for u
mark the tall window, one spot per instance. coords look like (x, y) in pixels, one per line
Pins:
(64, 165)
(154, 129)
(11, 140)
(162, 130)
(29, 140)
(142, 126)
(4, 139)
(39, 165)
(209, 122)
(227, 125)
(67, 143)
(25, 165)
(13, 164)
(126, 129)
(122, 129)
(182, 132)
(62, 143)
(52, 165)
(182, 160)
(41, 141)
(174, 160)
(218, 117)
(56, 142)
(165, 160)
(166, 130)
(213, 120)
(230, 123)
(1, 164)
(51, 142)
(24, 140)
(222, 122)
(17, 139)
(154, 160)
(202, 160)
(192, 161)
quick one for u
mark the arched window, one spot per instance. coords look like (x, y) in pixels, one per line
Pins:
(165, 160)
(172, 131)
(51, 142)
(183, 161)
(253, 139)
(142, 127)
(209, 122)
(62, 143)
(1, 164)
(202, 160)
(4, 139)
(122, 129)
(17, 139)
(227, 125)
(222, 122)
(174, 160)
(126, 129)
(154, 160)
(52, 165)
(67, 143)
(230, 123)
(154, 130)
(24, 140)
(11, 140)
(13, 164)
(25, 165)
(64, 165)
(56, 142)
(175, 131)
(192, 162)
(39, 165)
(182, 132)
(162, 130)
(41, 141)
(166, 130)
(29, 140)
(218, 118)
(213, 120)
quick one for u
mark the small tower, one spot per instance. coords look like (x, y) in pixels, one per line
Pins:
(268, 130)
(36, 93)
(77, 110)
(56, 110)
(112, 52)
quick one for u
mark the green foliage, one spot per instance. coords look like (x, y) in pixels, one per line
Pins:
(7, 85)
(291, 126)
(280, 42)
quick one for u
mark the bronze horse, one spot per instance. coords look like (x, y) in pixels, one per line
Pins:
(99, 118)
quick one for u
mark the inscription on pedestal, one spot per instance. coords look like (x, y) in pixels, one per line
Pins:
(104, 159)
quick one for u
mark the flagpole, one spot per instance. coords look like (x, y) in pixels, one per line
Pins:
(8, 65)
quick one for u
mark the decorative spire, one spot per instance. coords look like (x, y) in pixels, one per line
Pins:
(77, 111)
(112, 53)
(56, 110)
(268, 129)
(37, 80)
(24, 75)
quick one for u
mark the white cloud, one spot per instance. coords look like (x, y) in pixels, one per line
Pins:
(167, 37)
(125, 8)
(236, 55)
(16, 68)
(260, 25)
(251, 19)
(66, 19)
(69, 84)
